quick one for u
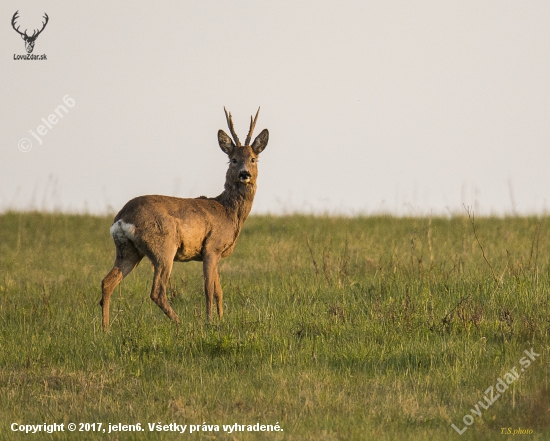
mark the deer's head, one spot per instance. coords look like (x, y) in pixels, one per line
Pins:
(243, 159)
(29, 40)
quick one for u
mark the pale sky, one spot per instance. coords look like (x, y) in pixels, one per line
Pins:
(403, 107)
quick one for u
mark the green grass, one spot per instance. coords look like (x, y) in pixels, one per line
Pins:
(335, 328)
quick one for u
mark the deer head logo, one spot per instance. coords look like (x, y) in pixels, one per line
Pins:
(29, 40)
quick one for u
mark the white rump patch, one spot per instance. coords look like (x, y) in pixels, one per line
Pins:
(121, 231)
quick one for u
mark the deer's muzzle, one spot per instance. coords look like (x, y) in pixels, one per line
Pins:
(244, 176)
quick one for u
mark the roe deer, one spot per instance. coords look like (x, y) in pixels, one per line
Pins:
(168, 229)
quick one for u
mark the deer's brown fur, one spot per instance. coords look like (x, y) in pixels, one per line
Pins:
(168, 229)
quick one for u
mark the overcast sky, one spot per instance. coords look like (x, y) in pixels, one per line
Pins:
(406, 107)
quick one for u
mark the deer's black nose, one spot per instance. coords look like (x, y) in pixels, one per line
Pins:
(244, 175)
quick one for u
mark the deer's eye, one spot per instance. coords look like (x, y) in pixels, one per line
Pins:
(253, 160)
(234, 161)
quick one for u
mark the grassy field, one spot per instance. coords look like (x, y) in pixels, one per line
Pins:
(335, 329)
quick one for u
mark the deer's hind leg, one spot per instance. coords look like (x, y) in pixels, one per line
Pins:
(127, 258)
(212, 286)
(162, 270)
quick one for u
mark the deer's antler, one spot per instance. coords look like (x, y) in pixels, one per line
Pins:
(232, 128)
(15, 17)
(252, 125)
(35, 33)
(43, 26)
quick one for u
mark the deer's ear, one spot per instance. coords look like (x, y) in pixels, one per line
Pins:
(226, 143)
(260, 143)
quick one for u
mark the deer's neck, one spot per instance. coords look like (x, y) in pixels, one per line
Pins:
(238, 199)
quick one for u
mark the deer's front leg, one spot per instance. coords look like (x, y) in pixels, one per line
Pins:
(212, 287)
